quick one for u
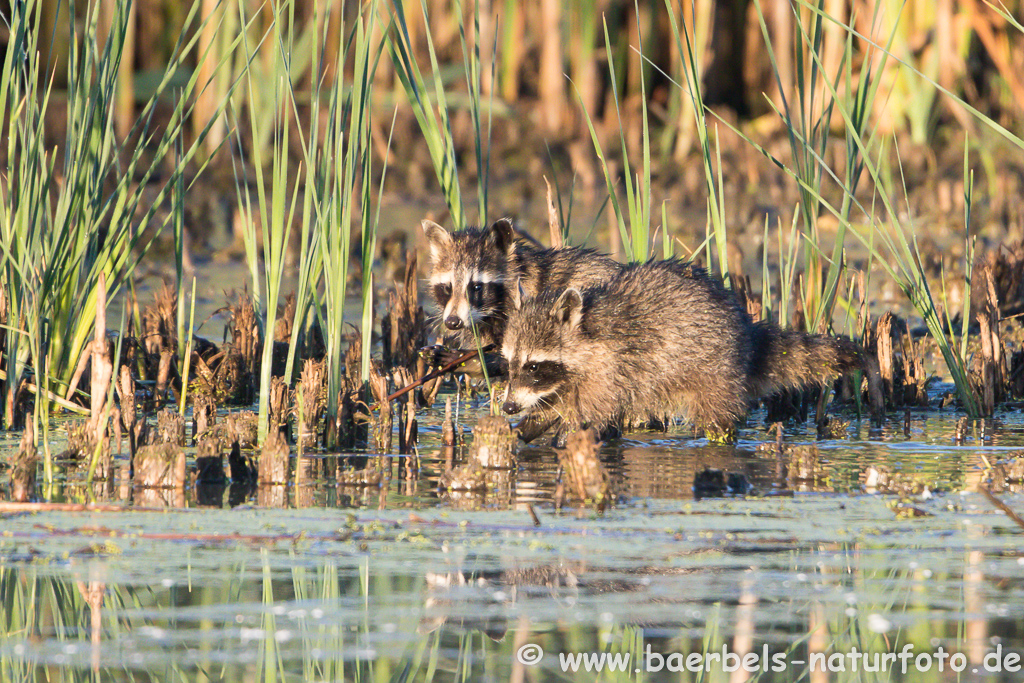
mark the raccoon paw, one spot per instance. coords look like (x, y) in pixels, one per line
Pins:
(439, 356)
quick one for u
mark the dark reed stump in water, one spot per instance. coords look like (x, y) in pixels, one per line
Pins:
(494, 444)
(210, 461)
(310, 402)
(160, 466)
(1015, 385)
(170, 427)
(243, 470)
(274, 459)
(587, 477)
(24, 467)
(204, 415)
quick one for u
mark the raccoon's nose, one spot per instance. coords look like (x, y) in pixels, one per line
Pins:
(453, 322)
(511, 407)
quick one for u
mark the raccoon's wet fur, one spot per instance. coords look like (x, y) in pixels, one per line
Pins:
(473, 269)
(661, 338)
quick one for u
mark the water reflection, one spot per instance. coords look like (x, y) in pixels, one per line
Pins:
(394, 579)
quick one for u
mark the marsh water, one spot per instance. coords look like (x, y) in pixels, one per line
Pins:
(317, 581)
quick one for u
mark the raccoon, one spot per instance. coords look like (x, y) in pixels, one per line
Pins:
(473, 268)
(661, 338)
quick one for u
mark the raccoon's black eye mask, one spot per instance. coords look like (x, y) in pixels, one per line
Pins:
(442, 292)
(541, 374)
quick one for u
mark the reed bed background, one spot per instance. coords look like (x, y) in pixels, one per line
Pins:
(116, 114)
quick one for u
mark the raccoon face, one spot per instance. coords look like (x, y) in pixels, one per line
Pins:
(538, 349)
(468, 275)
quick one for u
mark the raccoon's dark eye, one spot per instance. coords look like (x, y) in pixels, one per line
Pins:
(531, 368)
(476, 287)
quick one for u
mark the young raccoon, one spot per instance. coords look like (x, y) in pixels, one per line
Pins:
(473, 269)
(661, 338)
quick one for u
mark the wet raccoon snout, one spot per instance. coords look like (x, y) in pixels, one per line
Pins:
(453, 322)
(511, 407)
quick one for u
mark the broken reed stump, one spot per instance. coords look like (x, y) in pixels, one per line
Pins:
(407, 425)
(1004, 265)
(494, 444)
(989, 367)
(383, 425)
(279, 405)
(170, 427)
(273, 459)
(164, 373)
(160, 466)
(25, 466)
(587, 477)
(243, 427)
(310, 402)
(204, 415)
(128, 412)
(245, 345)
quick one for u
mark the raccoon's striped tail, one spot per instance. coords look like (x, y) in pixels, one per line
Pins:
(787, 359)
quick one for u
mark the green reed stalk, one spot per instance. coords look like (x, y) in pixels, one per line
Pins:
(58, 236)
(346, 160)
(472, 67)
(636, 235)
(716, 226)
(435, 126)
(276, 211)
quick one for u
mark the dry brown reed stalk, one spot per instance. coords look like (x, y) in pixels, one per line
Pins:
(25, 467)
(407, 425)
(551, 83)
(494, 444)
(404, 326)
(274, 459)
(384, 423)
(170, 427)
(886, 357)
(279, 407)
(204, 415)
(160, 466)
(245, 342)
(554, 225)
(991, 370)
(310, 402)
(285, 320)
(586, 475)
(915, 378)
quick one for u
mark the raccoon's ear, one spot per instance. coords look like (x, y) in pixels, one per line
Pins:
(502, 234)
(568, 310)
(439, 238)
